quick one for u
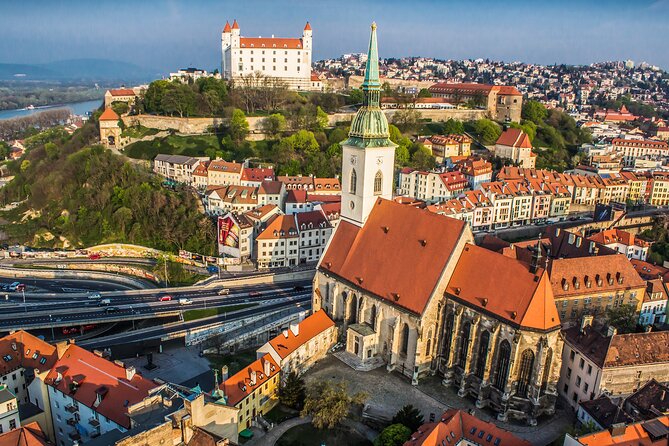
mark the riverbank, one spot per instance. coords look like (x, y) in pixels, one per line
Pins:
(77, 108)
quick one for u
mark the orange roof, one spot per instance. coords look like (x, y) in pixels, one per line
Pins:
(399, 255)
(226, 29)
(270, 42)
(280, 226)
(122, 92)
(525, 300)
(287, 342)
(225, 166)
(634, 435)
(257, 173)
(247, 380)
(321, 184)
(235, 25)
(456, 425)
(29, 435)
(25, 351)
(95, 376)
(108, 115)
(514, 138)
(307, 27)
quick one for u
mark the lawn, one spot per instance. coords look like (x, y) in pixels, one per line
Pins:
(194, 145)
(307, 435)
(139, 131)
(235, 361)
(191, 315)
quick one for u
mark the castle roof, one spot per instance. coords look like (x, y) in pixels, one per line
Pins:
(307, 27)
(235, 25)
(514, 138)
(108, 115)
(227, 29)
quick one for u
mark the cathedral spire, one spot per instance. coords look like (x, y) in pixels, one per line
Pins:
(372, 68)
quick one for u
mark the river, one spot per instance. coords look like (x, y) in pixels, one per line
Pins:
(78, 108)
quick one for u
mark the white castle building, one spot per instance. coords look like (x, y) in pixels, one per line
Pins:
(288, 59)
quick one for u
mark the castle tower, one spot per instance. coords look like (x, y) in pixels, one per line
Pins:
(226, 39)
(368, 158)
(306, 43)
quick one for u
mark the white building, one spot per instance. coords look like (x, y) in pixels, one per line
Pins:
(624, 242)
(286, 59)
(315, 231)
(654, 305)
(9, 410)
(278, 244)
(177, 168)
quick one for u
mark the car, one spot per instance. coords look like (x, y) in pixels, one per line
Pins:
(94, 256)
(14, 285)
(111, 309)
(21, 287)
(298, 288)
(104, 302)
(223, 292)
(185, 301)
(94, 296)
(255, 294)
(165, 298)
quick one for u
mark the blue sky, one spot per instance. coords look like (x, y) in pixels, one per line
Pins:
(167, 34)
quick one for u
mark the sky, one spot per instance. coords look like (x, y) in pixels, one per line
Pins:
(169, 34)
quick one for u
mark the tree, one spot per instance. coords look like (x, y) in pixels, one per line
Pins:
(487, 130)
(120, 107)
(407, 119)
(274, 125)
(453, 126)
(402, 156)
(51, 150)
(292, 393)
(534, 111)
(322, 119)
(623, 318)
(410, 417)
(328, 403)
(356, 96)
(393, 435)
(239, 126)
(424, 93)
(422, 158)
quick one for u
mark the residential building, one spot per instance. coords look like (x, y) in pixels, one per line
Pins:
(299, 347)
(647, 433)
(635, 148)
(177, 168)
(654, 306)
(589, 286)
(253, 390)
(90, 395)
(315, 230)
(327, 186)
(9, 410)
(296, 202)
(476, 171)
(272, 192)
(448, 146)
(624, 242)
(596, 362)
(278, 244)
(223, 199)
(659, 189)
(255, 176)
(514, 144)
(28, 435)
(650, 401)
(504, 103)
(601, 413)
(127, 95)
(297, 182)
(459, 428)
(288, 60)
(224, 173)
(200, 176)
(190, 74)
(432, 187)
(236, 236)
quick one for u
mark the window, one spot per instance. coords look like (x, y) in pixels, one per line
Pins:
(571, 356)
(482, 356)
(12, 424)
(405, 340)
(448, 337)
(503, 364)
(581, 364)
(589, 369)
(547, 369)
(378, 183)
(565, 389)
(464, 344)
(525, 375)
(578, 381)
(354, 181)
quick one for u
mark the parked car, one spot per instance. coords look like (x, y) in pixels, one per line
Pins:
(21, 287)
(94, 256)
(14, 285)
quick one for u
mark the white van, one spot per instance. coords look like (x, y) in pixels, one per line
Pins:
(185, 301)
(104, 302)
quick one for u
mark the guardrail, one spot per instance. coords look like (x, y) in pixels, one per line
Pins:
(13, 272)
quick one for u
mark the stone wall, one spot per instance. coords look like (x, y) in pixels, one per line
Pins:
(189, 126)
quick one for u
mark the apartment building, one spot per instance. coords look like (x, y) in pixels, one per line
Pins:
(278, 244)
(314, 232)
(177, 168)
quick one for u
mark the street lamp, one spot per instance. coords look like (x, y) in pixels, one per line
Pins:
(25, 306)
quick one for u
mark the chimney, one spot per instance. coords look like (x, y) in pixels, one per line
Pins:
(253, 378)
(285, 334)
(612, 331)
(130, 372)
(97, 353)
(295, 328)
(585, 322)
(617, 429)
(224, 373)
(265, 367)
(119, 363)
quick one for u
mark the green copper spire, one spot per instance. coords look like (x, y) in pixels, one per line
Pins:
(370, 126)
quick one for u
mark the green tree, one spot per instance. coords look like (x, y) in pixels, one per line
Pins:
(393, 435)
(534, 111)
(239, 126)
(453, 126)
(487, 130)
(292, 393)
(25, 164)
(410, 417)
(328, 403)
(423, 159)
(356, 96)
(407, 119)
(402, 156)
(322, 120)
(51, 150)
(424, 93)
(120, 107)
(274, 125)
(623, 318)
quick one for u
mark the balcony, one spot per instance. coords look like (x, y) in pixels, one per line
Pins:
(94, 422)
(71, 421)
(74, 436)
(72, 408)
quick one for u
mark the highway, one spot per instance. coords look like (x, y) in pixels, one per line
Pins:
(62, 286)
(146, 304)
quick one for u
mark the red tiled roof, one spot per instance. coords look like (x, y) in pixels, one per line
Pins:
(241, 385)
(226, 166)
(29, 435)
(280, 226)
(108, 115)
(122, 92)
(26, 351)
(296, 196)
(634, 435)
(399, 255)
(235, 25)
(270, 42)
(95, 375)
(456, 426)
(257, 173)
(307, 27)
(316, 219)
(525, 300)
(514, 138)
(324, 184)
(270, 187)
(227, 28)
(286, 342)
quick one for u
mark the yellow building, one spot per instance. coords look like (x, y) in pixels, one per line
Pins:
(253, 390)
(659, 192)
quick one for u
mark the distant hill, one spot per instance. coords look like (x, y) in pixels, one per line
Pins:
(78, 69)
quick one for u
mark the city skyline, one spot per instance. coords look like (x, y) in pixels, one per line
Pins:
(165, 35)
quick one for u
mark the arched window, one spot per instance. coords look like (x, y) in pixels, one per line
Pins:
(482, 355)
(547, 369)
(378, 183)
(372, 317)
(464, 344)
(354, 182)
(404, 347)
(428, 344)
(352, 309)
(448, 337)
(525, 375)
(503, 364)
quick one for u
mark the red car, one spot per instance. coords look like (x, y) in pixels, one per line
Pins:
(21, 287)
(165, 298)
(255, 294)
(94, 256)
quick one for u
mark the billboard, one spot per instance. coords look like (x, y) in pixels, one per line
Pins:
(228, 236)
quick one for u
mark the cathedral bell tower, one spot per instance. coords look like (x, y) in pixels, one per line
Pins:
(368, 155)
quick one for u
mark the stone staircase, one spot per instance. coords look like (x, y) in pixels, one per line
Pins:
(356, 364)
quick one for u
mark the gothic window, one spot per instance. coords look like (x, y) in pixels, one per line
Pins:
(448, 337)
(372, 317)
(547, 369)
(525, 375)
(352, 309)
(503, 364)
(464, 344)
(404, 347)
(428, 345)
(482, 355)
(354, 181)
(378, 181)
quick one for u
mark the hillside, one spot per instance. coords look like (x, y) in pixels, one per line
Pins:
(86, 195)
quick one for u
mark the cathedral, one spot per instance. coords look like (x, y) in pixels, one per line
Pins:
(410, 289)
